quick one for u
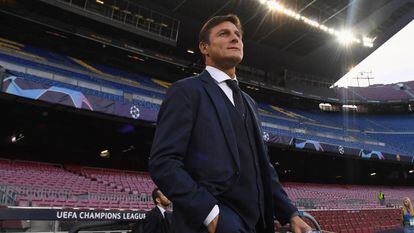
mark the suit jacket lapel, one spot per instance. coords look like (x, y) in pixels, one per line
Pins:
(256, 121)
(213, 90)
(163, 220)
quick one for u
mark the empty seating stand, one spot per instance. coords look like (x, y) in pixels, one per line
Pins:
(42, 184)
(51, 185)
(358, 221)
(338, 208)
(331, 196)
(127, 181)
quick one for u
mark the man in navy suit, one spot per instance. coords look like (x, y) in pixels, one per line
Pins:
(158, 220)
(208, 155)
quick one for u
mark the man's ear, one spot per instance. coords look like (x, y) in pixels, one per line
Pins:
(158, 200)
(203, 48)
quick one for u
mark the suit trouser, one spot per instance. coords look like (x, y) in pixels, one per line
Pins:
(230, 222)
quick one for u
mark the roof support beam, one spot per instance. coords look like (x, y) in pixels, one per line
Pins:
(179, 5)
(221, 8)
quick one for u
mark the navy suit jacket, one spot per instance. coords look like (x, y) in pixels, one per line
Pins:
(155, 222)
(194, 156)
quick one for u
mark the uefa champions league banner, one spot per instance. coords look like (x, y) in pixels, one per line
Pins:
(73, 98)
(377, 155)
(58, 95)
(277, 139)
(20, 213)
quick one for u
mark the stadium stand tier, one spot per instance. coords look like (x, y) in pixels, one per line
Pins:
(387, 92)
(390, 134)
(338, 208)
(44, 184)
(52, 185)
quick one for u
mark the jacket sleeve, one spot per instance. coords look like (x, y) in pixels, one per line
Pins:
(169, 149)
(284, 208)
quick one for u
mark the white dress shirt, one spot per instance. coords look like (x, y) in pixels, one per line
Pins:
(162, 210)
(220, 78)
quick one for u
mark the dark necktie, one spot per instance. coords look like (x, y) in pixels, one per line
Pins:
(168, 220)
(237, 96)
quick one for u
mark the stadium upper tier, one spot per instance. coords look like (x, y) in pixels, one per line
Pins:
(52, 72)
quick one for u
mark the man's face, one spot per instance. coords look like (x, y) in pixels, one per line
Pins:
(225, 47)
(163, 200)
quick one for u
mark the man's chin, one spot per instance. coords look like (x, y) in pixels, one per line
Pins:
(233, 61)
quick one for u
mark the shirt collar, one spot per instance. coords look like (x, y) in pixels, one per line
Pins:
(161, 209)
(218, 75)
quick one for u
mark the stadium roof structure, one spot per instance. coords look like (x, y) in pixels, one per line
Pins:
(272, 39)
(275, 40)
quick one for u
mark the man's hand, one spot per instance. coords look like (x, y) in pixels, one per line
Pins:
(213, 224)
(299, 226)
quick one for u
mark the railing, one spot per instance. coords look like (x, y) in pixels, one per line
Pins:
(307, 79)
(7, 196)
(143, 197)
(130, 14)
(10, 194)
(30, 192)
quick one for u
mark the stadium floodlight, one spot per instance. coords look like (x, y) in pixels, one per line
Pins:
(17, 137)
(368, 42)
(135, 57)
(275, 6)
(373, 174)
(345, 37)
(324, 28)
(349, 107)
(321, 105)
(105, 154)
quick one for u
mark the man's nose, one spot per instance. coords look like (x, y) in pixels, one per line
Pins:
(234, 39)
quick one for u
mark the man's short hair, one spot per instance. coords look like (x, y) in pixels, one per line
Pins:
(204, 35)
(155, 194)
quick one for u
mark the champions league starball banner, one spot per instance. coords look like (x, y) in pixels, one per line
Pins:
(59, 95)
(277, 139)
(350, 152)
